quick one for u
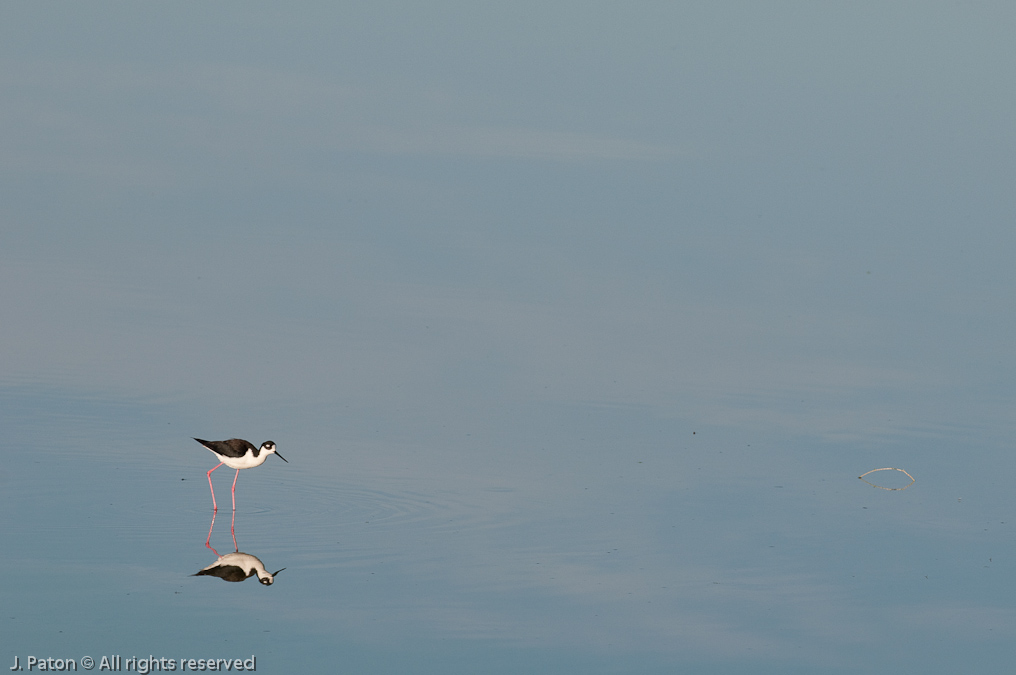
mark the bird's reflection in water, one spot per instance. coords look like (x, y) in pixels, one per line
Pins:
(235, 566)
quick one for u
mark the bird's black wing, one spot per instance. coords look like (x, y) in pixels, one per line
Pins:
(234, 447)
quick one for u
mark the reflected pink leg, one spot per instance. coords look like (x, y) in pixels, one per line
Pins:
(209, 539)
(215, 507)
(232, 529)
(234, 488)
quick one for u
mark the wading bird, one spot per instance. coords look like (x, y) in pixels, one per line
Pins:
(237, 453)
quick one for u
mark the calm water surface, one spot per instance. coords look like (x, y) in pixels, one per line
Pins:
(576, 323)
(641, 542)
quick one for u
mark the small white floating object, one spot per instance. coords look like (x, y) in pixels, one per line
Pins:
(888, 468)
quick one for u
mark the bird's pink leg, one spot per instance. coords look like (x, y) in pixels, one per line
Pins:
(215, 507)
(232, 529)
(234, 488)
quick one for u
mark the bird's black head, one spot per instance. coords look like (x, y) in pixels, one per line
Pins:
(269, 446)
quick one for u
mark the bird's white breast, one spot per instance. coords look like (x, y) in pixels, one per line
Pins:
(247, 461)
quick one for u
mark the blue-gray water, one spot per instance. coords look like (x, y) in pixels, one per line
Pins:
(576, 324)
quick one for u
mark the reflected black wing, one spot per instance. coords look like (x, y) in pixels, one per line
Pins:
(226, 573)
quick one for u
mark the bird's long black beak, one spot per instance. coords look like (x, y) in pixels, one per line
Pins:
(281, 457)
(273, 575)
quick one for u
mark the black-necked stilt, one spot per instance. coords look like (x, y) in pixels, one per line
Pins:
(237, 567)
(237, 453)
